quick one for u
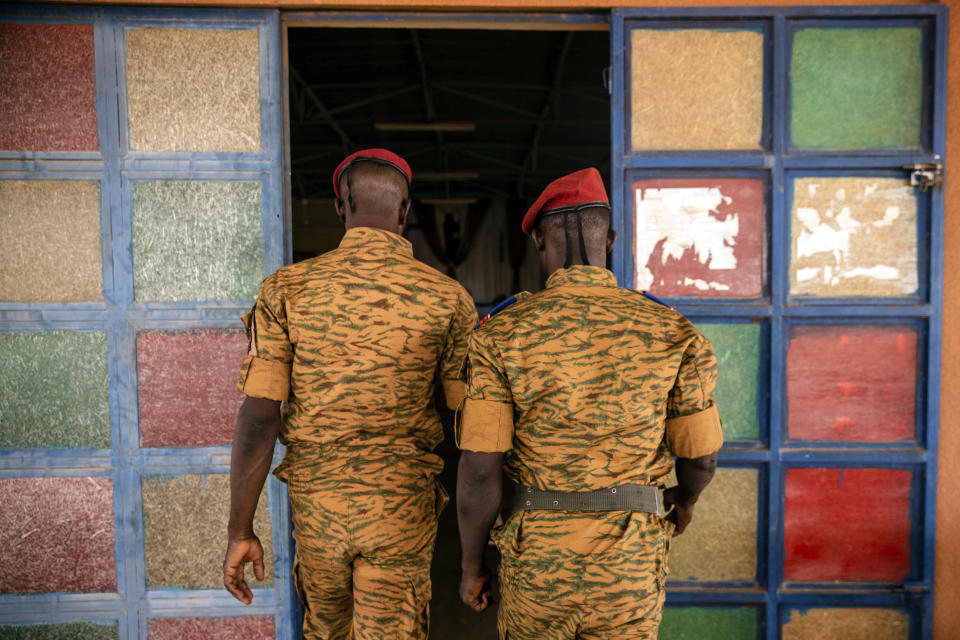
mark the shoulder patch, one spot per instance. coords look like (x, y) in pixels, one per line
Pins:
(500, 307)
(647, 294)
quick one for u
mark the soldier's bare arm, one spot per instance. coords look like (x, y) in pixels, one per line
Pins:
(693, 475)
(258, 425)
(478, 504)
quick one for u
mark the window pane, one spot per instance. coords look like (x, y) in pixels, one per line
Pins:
(850, 623)
(64, 631)
(185, 520)
(193, 90)
(50, 241)
(737, 347)
(247, 627)
(853, 236)
(47, 88)
(186, 381)
(853, 383)
(708, 623)
(54, 391)
(721, 541)
(57, 534)
(699, 237)
(696, 89)
(197, 240)
(856, 88)
(868, 535)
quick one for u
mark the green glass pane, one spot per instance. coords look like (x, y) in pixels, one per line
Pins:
(54, 390)
(196, 240)
(856, 88)
(65, 631)
(737, 347)
(708, 623)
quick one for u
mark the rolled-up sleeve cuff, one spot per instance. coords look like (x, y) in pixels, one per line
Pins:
(485, 426)
(695, 435)
(261, 378)
(453, 392)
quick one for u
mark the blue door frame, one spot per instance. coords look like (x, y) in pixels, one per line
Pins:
(773, 454)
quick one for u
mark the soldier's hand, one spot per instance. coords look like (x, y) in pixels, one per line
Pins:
(681, 514)
(239, 553)
(475, 590)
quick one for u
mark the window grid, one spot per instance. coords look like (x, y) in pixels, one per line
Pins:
(777, 312)
(133, 606)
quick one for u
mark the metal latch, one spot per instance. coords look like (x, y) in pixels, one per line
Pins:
(926, 175)
(605, 74)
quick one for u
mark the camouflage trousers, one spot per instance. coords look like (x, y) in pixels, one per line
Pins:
(363, 550)
(585, 576)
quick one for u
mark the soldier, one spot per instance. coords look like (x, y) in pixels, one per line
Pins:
(352, 343)
(584, 392)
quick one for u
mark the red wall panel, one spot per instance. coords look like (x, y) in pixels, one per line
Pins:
(852, 383)
(247, 627)
(186, 381)
(57, 534)
(847, 524)
(700, 237)
(47, 88)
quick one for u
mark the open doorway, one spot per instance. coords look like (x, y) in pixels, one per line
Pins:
(486, 118)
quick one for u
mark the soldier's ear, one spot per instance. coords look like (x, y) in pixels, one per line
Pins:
(539, 240)
(611, 238)
(341, 210)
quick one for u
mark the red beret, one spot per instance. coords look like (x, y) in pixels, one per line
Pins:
(380, 156)
(578, 190)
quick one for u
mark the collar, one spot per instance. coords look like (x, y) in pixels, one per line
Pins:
(373, 239)
(582, 276)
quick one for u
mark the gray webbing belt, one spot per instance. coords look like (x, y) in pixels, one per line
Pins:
(627, 497)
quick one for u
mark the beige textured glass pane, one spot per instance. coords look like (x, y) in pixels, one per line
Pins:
(696, 89)
(185, 524)
(50, 241)
(721, 541)
(849, 624)
(193, 90)
(853, 236)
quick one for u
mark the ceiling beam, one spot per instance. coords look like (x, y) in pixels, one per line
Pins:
(428, 104)
(380, 97)
(318, 103)
(442, 86)
(531, 160)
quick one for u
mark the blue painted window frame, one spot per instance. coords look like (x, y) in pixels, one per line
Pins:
(125, 463)
(780, 311)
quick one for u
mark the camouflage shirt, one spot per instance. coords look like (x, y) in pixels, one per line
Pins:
(354, 342)
(586, 385)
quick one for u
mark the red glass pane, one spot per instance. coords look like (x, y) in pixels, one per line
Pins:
(701, 237)
(57, 534)
(186, 381)
(852, 383)
(47, 87)
(247, 627)
(847, 524)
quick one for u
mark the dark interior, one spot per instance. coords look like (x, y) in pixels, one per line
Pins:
(486, 119)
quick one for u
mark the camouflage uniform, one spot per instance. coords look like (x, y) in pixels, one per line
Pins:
(353, 341)
(586, 386)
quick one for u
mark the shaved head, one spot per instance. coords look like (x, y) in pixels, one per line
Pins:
(555, 233)
(373, 195)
